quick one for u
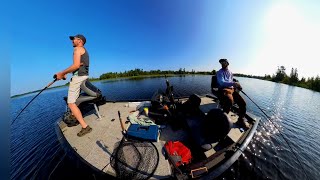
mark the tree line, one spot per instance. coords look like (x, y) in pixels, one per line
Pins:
(281, 76)
(141, 72)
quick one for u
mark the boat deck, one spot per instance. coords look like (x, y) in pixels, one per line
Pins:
(96, 147)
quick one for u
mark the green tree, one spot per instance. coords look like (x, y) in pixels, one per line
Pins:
(267, 77)
(293, 76)
(280, 74)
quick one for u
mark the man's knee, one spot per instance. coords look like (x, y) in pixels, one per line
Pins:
(229, 99)
(242, 102)
(70, 105)
(225, 99)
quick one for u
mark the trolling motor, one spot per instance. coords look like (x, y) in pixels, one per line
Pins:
(162, 104)
(169, 93)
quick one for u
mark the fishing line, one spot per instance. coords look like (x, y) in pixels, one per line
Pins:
(44, 162)
(280, 134)
(57, 165)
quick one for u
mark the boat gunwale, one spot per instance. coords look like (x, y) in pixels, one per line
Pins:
(214, 173)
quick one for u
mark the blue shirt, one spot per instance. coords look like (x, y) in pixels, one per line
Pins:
(225, 78)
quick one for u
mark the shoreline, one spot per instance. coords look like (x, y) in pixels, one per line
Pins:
(153, 76)
(97, 80)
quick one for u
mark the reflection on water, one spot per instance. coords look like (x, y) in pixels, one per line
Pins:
(294, 112)
(268, 147)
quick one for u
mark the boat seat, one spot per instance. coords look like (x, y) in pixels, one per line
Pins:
(90, 95)
(209, 130)
(215, 90)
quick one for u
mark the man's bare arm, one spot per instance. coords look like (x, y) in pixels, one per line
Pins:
(76, 64)
(76, 61)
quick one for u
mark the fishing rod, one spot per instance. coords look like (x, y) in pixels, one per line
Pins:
(279, 133)
(55, 79)
(256, 105)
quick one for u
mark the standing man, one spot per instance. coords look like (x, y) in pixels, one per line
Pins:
(227, 91)
(80, 71)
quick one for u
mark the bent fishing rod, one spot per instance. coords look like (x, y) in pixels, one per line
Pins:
(279, 133)
(55, 79)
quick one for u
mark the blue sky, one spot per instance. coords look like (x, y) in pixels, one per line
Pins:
(256, 37)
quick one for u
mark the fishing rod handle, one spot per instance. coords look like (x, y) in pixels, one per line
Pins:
(121, 123)
(55, 77)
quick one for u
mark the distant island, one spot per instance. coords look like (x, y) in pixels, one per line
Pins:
(280, 77)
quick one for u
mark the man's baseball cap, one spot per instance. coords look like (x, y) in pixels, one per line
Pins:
(80, 36)
(223, 60)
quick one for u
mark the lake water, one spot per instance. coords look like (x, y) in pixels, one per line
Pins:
(294, 112)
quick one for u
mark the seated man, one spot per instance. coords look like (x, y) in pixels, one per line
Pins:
(227, 91)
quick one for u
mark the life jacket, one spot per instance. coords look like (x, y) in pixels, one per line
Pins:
(180, 154)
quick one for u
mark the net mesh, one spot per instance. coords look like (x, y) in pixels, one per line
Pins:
(134, 159)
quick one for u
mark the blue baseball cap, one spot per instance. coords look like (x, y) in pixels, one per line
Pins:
(80, 36)
(223, 60)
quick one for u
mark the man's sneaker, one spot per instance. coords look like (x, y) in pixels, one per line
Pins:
(242, 124)
(84, 131)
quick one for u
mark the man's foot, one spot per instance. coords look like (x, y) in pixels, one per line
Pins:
(242, 124)
(84, 131)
